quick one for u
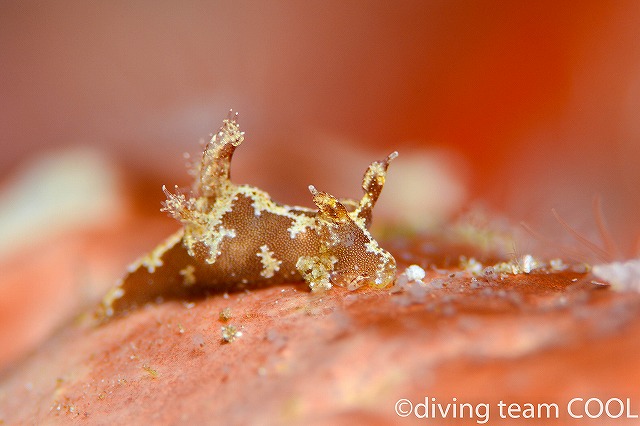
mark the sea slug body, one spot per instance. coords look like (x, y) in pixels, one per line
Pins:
(236, 236)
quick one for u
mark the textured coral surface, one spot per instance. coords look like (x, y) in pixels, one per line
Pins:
(339, 357)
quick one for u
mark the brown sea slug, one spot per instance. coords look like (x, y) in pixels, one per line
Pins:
(235, 236)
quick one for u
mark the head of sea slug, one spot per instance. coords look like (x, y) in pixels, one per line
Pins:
(359, 259)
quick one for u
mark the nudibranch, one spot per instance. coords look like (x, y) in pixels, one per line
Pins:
(236, 236)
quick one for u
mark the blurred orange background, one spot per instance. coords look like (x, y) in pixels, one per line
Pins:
(533, 103)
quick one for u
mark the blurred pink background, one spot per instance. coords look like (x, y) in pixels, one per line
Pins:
(531, 105)
(539, 98)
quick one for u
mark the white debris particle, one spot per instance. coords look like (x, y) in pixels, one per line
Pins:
(230, 333)
(414, 273)
(557, 265)
(471, 265)
(474, 283)
(489, 273)
(411, 281)
(623, 276)
(225, 314)
(523, 265)
(528, 263)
